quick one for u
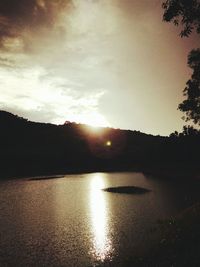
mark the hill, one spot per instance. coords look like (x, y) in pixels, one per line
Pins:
(32, 148)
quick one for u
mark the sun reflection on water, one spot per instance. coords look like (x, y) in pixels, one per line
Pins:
(102, 246)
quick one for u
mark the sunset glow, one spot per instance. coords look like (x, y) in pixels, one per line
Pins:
(96, 121)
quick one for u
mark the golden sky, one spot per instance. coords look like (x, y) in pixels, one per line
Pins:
(103, 62)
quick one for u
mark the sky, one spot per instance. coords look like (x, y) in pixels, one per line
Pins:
(103, 62)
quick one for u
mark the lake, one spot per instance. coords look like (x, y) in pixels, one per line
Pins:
(70, 221)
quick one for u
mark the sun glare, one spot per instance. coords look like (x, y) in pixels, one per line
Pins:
(108, 143)
(102, 245)
(94, 120)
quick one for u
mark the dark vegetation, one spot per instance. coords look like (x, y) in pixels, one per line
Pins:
(176, 243)
(30, 148)
(186, 14)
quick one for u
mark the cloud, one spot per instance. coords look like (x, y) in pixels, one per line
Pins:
(6, 62)
(45, 100)
(39, 115)
(21, 20)
(84, 59)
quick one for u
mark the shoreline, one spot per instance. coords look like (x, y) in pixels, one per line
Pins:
(163, 172)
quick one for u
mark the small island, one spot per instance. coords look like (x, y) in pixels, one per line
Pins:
(126, 190)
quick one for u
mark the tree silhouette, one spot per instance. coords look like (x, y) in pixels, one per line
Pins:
(191, 106)
(186, 13)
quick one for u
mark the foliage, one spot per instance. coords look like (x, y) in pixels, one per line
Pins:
(191, 105)
(187, 14)
(189, 131)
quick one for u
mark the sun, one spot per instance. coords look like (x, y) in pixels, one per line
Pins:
(95, 120)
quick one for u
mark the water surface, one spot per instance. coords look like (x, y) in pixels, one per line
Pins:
(70, 221)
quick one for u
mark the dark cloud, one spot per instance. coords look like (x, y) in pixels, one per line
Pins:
(18, 17)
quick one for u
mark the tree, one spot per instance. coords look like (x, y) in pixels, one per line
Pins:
(183, 12)
(186, 13)
(191, 105)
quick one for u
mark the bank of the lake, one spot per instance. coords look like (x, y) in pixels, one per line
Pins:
(176, 243)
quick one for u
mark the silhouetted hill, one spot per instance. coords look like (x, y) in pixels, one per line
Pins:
(31, 148)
